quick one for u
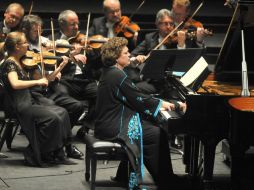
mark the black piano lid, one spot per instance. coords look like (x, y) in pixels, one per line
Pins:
(228, 65)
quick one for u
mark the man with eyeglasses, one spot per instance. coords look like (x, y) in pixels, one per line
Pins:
(181, 11)
(165, 24)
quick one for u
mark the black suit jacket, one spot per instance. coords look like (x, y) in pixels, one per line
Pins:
(99, 27)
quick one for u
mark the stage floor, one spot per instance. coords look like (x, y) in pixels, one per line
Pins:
(17, 176)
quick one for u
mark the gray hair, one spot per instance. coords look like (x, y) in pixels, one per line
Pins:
(16, 6)
(28, 22)
(62, 17)
(162, 13)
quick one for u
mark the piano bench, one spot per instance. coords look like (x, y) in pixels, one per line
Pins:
(100, 150)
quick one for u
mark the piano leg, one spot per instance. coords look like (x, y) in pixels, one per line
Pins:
(209, 156)
(237, 169)
(239, 143)
(194, 168)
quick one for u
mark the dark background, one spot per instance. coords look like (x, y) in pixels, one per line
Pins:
(210, 7)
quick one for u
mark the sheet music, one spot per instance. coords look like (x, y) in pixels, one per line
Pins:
(194, 72)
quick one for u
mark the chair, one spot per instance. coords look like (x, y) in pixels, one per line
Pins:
(8, 121)
(100, 150)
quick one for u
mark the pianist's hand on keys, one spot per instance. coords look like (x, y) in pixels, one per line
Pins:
(170, 110)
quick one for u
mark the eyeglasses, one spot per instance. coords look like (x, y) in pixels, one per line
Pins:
(166, 23)
(111, 11)
(73, 24)
(23, 43)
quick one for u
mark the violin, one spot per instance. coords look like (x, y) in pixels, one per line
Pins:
(2, 37)
(126, 27)
(1, 50)
(189, 35)
(93, 42)
(32, 59)
(191, 23)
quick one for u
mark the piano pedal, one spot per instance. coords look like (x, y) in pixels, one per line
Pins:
(176, 151)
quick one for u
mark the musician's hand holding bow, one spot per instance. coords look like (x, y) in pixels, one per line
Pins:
(64, 62)
(140, 59)
(56, 73)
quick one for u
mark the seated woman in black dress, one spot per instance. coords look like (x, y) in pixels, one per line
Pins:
(121, 114)
(47, 128)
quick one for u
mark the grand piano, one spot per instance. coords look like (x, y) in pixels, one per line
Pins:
(208, 118)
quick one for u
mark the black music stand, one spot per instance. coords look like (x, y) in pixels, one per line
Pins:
(171, 61)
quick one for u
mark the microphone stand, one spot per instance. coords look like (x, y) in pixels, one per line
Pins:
(245, 86)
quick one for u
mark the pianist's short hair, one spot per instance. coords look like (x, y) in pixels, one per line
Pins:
(162, 13)
(112, 50)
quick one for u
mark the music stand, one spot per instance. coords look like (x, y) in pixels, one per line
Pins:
(173, 61)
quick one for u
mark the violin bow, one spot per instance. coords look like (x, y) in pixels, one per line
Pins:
(194, 13)
(31, 8)
(53, 38)
(177, 27)
(170, 34)
(41, 56)
(87, 28)
(140, 5)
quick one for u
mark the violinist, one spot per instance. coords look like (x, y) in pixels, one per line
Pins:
(47, 127)
(165, 24)
(105, 25)
(75, 80)
(181, 10)
(30, 25)
(12, 18)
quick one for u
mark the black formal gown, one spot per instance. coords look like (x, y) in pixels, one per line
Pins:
(46, 127)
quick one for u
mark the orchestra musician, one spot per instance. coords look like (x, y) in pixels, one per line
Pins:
(47, 127)
(12, 18)
(75, 81)
(30, 26)
(124, 116)
(181, 10)
(165, 24)
(105, 25)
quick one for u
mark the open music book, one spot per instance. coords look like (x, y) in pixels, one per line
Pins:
(194, 72)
